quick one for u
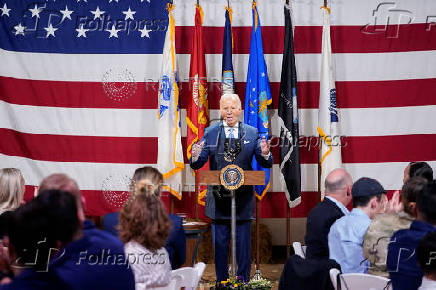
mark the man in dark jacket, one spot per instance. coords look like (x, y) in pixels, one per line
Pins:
(338, 195)
(218, 200)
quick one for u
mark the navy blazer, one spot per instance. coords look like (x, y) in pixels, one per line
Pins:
(176, 243)
(218, 200)
(401, 261)
(319, 221)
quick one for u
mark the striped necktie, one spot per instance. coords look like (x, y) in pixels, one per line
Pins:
(231, 132)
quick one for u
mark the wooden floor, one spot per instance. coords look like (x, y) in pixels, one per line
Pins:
(271, 272)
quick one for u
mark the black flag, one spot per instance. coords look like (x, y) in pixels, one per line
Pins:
(288, 119)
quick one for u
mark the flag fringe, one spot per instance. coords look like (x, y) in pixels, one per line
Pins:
(329, 143)
(295, 202)
(260, 196)
(195, 130)
(172, 191)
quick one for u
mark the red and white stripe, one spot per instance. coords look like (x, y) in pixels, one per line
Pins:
(55, 116)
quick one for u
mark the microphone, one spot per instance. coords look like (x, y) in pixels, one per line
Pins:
(232, 147)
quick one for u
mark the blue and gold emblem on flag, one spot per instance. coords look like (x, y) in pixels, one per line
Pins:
(257, 94)
(228, 78)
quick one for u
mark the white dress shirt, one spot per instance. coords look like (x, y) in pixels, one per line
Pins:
(227, 129)
(427, 284)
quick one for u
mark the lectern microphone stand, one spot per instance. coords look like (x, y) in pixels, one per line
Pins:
(232, 177)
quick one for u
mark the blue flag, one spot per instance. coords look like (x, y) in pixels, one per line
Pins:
(257, 94)
(228, 79)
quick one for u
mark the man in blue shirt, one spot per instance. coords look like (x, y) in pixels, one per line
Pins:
(346, 234)
(401, 261)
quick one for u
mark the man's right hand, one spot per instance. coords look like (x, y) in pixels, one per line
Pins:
(196, 150)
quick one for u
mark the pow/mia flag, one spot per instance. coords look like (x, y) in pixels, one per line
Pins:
(288, 119)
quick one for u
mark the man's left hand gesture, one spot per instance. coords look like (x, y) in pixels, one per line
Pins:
(265, 145)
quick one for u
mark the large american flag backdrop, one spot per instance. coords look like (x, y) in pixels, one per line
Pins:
(79, 82)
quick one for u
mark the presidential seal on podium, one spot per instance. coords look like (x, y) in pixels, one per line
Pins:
(232, 177)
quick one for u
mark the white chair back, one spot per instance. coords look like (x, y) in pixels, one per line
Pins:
(176, 282)
(190, 275)
(299, 249)
(359, 281)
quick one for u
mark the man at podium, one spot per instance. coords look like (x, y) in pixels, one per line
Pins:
(231, 142)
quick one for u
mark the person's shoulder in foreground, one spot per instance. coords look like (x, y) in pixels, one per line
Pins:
(426, 259)
(29, 279)
(402, 261)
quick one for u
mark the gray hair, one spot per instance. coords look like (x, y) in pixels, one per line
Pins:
(11, 189)
(234, 96)
(338, 179)
(335, 185)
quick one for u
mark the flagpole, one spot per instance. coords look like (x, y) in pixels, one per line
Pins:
(197, 186)
(257, 234)
(288, 231)
(320, 154)
(288, 218)
(197, 190)
(319, 168)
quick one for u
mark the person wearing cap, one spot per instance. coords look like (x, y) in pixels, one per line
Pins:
(384, 225)
(346, 234)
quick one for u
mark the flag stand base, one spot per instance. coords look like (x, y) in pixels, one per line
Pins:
(257, 275)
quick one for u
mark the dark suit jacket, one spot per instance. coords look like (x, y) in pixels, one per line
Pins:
(307, 274)
(218, 200)
(176, 243)
(319, 221)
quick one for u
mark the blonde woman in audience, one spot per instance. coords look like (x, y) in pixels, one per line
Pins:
(144, 227)
(11, 194)
(11, 189)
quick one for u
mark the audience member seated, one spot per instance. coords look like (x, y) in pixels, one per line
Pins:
(64, 182)
(421, 169)
(346, 234)
(426, 255)
(383, 226)
(144, 228)
(37, 233)
(307, 274)
(176, 243)
(338, 195)
(401, 261)
(11, 194)
(94, 243)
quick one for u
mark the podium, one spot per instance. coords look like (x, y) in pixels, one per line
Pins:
(213, 177)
